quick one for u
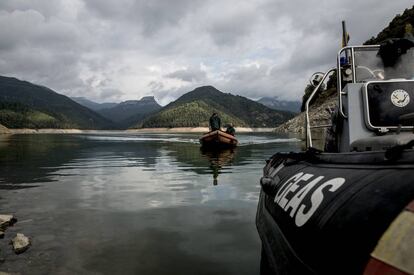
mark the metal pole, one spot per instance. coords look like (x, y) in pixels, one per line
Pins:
(307, 120)
(344, 38)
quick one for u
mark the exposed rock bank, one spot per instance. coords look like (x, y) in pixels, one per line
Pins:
(318, 115)
(4, 130)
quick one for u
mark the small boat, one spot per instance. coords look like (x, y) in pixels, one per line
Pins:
(218, 139)
(348, 208)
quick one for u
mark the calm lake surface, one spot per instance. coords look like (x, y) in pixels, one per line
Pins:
(113, 203)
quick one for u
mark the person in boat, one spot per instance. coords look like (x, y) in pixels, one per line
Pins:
(215, 122)
(230, 129)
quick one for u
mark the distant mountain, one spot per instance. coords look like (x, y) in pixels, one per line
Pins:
(93, 105)
(195, 108)
(276, 104)
(26, 105)
(131, 111)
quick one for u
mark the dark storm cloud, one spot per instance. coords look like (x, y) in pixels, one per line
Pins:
(125, 49)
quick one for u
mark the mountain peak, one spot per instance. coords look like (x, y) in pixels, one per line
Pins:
(147, 98)
(207, 88)
(194, 109)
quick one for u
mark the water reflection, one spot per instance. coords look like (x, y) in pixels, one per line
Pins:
(28, 159)
(129, 204)
(218, 159)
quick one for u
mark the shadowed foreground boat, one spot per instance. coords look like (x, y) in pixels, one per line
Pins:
(218, 139)
(348, 209)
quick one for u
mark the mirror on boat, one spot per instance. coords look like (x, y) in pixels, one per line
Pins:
(316, 78)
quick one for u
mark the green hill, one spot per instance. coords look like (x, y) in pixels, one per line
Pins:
(195, 108)
(25, 105)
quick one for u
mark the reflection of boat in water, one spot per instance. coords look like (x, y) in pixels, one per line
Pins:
(218, 159)
(218, 139)
(348, 209)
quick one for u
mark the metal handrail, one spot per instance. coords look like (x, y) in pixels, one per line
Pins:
(308, 127)
(321, 126)
(339, 73)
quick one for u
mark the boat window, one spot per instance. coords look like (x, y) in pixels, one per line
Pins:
(370, 66)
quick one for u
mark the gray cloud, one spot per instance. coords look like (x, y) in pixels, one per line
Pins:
(118, 50)
(189, 75)
(148, 16)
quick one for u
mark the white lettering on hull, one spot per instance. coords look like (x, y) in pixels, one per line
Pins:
(291, 194)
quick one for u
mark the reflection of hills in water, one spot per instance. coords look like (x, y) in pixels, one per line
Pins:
(26, 160)
(29, 159)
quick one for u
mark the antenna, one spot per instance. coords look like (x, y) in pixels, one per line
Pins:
(345, 36)
(345, 39)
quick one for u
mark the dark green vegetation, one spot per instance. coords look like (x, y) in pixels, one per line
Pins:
(195, 108)
(17, 115)
(25, 105)
(396, 28)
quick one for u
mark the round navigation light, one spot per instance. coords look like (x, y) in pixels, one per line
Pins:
(400, 98)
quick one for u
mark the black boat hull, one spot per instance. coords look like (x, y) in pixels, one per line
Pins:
(325, 213)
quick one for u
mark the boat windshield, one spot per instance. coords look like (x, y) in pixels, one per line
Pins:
(370, 66)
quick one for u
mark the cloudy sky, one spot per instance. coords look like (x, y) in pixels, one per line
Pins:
(125, 49)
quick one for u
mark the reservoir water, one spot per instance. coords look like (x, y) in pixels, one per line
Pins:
(113, 203)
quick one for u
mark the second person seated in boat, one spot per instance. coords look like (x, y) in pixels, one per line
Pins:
(230, 129)
(215, 122)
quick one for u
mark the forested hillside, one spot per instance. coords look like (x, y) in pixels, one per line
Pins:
(194, 109)
(25, 105)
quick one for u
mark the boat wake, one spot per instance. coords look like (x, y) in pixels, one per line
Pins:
(243, 140)
(143, 138)
(267, 141)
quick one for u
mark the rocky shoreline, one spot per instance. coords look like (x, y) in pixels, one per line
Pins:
(319, 115)
(4, 130)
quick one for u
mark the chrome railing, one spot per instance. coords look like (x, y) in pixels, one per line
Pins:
(314, 92)
(339, 74)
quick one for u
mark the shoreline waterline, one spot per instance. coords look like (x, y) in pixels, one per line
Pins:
(131, 131)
